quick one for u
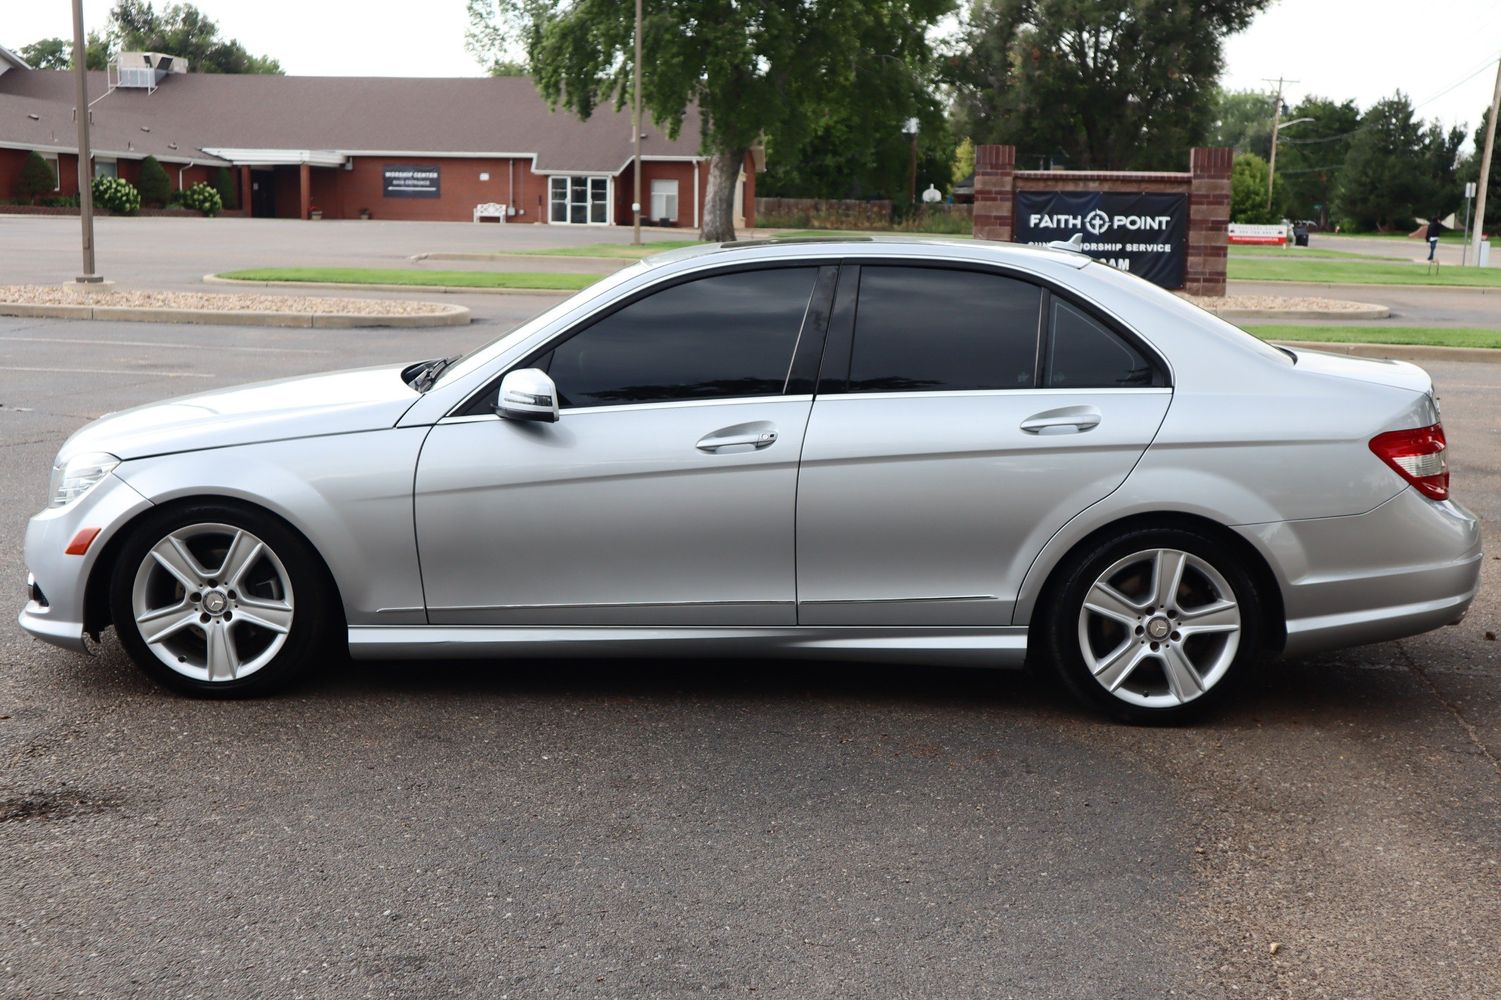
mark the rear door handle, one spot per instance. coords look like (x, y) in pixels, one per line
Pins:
(749, 437)
(1065, 420)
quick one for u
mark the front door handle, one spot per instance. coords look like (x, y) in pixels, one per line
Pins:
(1065, 420)
(741, 437)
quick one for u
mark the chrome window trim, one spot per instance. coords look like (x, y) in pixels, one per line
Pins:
(1160, 390)
(668, 404)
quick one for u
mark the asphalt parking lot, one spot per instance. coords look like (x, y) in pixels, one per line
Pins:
(682, 829)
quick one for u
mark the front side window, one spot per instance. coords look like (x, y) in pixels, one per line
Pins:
(922, 329)
(1083, 354)
(710, 338)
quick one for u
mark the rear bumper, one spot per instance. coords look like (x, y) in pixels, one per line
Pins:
(1409, 566)
(54, 611)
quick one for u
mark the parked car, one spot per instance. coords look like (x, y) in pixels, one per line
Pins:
(902, 450)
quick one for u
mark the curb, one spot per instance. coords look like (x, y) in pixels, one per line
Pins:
(623, 262)
(1402, 352)
(451, 316)
(1469, 289)
(1364, 312)
(214, 279)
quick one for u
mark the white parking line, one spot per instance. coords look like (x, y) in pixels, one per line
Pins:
(113, 371)
(155, 343)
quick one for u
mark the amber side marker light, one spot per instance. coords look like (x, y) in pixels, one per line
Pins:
(81, 542)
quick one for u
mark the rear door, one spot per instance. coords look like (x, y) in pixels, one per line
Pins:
(962, 417)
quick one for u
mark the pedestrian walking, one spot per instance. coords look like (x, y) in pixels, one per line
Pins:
(1434, 228)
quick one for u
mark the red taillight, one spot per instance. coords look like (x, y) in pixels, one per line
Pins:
(1417, 455)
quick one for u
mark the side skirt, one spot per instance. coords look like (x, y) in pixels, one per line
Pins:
(972, 646)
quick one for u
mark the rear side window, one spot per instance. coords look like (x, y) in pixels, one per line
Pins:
(716, 337)
(1083, 353)
(929, 329)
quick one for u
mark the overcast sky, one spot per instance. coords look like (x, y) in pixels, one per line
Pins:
(1363, 49)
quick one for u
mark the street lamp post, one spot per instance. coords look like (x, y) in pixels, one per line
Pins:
(910, 128)
(636, 138)
(85, 156)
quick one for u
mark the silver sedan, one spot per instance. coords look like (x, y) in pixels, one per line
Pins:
(905, 450)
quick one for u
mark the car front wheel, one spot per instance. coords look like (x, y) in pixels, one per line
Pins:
(1155, 626)
(217, 600)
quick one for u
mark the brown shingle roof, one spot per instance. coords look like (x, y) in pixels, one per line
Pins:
(474, 115)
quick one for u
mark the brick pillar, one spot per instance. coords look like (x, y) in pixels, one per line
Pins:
(245, 191)
(995, 180)
(305, 187)
(1208, 220)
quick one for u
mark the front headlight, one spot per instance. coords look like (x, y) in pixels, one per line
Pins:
(79, 474)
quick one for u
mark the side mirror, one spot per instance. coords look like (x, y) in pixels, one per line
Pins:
(528, 394)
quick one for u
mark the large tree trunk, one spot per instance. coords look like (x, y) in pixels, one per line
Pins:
(719, 200)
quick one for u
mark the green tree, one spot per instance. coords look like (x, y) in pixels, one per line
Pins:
(37, 177)
(1098, 84)
(1397, 170)
(860, 150)
(1311, 155)
(1243, 121)
(154, 184)
(229, 191)
(57, 53)
(1248, 201)
(778, 71)
(1470, 171)
(181, 29)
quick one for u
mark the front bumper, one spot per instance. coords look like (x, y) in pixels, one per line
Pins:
(1407, 567)
(58, 582)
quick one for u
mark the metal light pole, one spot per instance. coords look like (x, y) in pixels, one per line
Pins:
(85, 155)
(1485, 168)
(635, 136)
(911, 129)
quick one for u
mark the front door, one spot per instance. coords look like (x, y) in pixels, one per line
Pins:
(263, 194)
(976, 414)
(664, 495)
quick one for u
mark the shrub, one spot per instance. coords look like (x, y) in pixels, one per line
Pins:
(229, 191)
(116, 194)
(156, 186)
(37, 177)
(203, 198)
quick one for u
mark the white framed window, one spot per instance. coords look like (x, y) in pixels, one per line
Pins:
(106, 168)
(57, 177)
(579, 200)
(664, 200)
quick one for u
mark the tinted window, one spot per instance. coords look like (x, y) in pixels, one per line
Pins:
(727, 335)
(1084, 354)
(929, 329)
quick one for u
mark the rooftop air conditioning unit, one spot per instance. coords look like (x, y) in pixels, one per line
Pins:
(145, 70)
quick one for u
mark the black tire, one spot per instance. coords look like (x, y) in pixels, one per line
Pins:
(314, 611)
(1064, 636)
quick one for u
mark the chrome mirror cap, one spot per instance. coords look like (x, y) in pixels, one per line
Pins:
(528, 394)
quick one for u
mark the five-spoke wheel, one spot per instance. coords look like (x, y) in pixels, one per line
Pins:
(1151, 624)
(216, 599)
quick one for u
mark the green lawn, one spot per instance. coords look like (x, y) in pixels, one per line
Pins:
(1431, 336)
(613, 251)
(1301, 253)
(1340, 272)
(395, 276)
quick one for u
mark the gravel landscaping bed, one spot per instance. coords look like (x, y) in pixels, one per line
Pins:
(61, 295)
(1278, 303)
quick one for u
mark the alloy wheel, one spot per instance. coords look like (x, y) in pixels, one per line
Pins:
(1159, 628)
(213, 602)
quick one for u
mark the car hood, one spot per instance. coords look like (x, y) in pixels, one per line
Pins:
(333, 403)
(1381, 371)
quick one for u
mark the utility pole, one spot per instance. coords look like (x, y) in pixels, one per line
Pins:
(635, 135)
(1276, 124)
(85, 154)
(1485, 166)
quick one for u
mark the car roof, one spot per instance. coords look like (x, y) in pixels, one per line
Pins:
(895, 246)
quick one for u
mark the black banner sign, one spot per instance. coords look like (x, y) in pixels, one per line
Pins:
(1146, 234)
(408, 180)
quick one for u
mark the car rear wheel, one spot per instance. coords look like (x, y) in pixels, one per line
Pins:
(1154, 626)
(219, 601)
